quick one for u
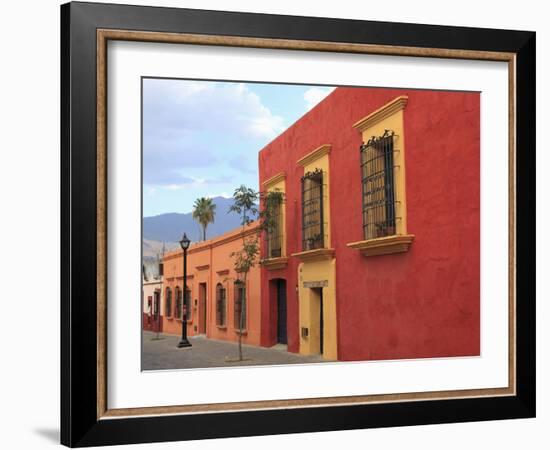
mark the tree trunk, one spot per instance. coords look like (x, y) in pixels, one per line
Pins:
(204, 232)
(241, 318)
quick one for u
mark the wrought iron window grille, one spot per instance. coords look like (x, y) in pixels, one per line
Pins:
(188, 310)
(220, 305)
(274, 234)
(179, 303)
(379, 200)
(240, 302)
(168, 303)
(313, 225)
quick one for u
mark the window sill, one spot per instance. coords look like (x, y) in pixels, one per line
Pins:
(244, 333)
(275, 263)
(221, 327)
(315, 255)
(383, 246)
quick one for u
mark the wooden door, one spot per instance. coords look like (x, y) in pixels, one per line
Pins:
(202, 308)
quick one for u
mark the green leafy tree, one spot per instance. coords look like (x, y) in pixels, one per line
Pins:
(204, 212)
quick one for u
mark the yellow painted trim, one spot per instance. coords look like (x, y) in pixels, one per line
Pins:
(275, 179)
(274, 263)
(318, 266)
(391, 117)
(315, 255)
(318, 159)
(380, 114)
(322, 273)
(319, 152)
(384, 245)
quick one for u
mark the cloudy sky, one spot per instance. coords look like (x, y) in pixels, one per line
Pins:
(201, 138)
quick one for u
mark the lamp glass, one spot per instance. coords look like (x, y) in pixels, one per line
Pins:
(185, 242)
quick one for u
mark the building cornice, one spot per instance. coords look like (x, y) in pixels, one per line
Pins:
(149, 282)
(397, 104)
(281, 176)
(319, 152)
(223, 239)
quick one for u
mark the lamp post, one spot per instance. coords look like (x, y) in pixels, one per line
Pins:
(184, 246)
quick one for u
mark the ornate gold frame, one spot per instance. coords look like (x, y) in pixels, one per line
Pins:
(103, 36)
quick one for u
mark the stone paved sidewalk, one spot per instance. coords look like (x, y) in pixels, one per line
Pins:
(163, 354)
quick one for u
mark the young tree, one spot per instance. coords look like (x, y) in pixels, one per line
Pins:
(245, 202)
(204, 211)
(245, 205)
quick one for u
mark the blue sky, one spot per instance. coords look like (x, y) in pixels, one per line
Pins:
(201, 138)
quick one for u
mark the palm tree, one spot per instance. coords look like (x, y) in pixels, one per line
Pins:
(204, 211)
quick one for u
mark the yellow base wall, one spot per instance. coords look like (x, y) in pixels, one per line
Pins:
(319, 274)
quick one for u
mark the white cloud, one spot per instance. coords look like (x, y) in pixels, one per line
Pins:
(192, 126)
(261, 122)
(174, 187)
(266, 126)
(315, 94)
(177, 106)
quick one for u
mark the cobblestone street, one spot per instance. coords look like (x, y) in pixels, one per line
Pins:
(162, 353)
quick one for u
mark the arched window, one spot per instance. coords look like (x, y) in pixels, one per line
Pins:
(239, 306)
(168, 303)
(220, 305)
(179, 304)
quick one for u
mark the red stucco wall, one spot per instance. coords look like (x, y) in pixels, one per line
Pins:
(423, 303)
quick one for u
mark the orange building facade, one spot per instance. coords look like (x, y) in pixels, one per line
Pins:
(214, 291)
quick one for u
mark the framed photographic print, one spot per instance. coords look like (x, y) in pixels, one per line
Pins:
(277, 224)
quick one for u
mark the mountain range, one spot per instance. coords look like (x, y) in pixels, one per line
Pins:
(170, 227)
(153, 249)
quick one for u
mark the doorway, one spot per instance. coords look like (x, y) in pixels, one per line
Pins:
(281, 312)
(202, 308)
(317, 316)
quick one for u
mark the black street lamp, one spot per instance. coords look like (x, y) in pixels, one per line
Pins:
(184, 342)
